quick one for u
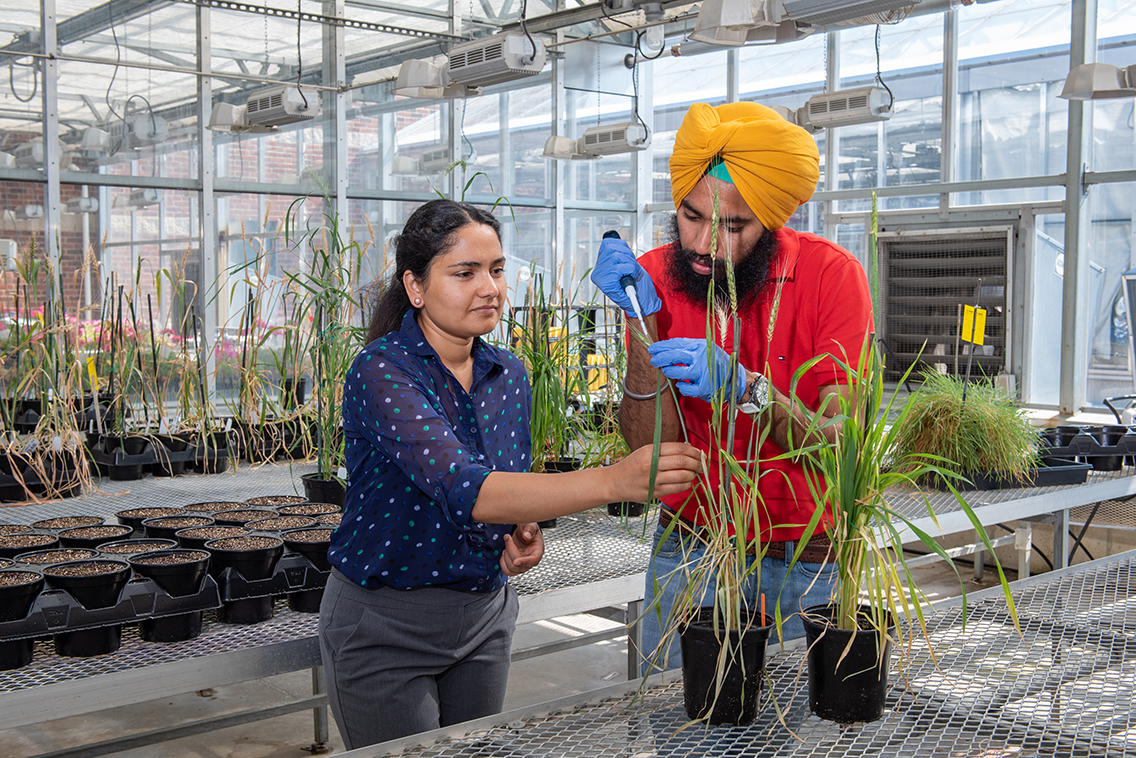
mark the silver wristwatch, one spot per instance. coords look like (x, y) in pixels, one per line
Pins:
(758, 397)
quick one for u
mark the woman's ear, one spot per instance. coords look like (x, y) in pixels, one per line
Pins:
(413, 288)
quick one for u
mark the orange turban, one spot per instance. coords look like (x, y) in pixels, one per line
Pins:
(774, 164)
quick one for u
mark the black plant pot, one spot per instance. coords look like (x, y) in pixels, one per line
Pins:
(167, 462)
(57, 555)
(281, 523)
(133, 517)
(214, 506)
(318, 490)
(92, 591)
(179, 573)
(315, 550)
(93, 536)
(736, 701)
(312, 509)
(293, 395)
(136, 546)
(253, 564)
(68, 522)
(294, 441)
(192, 539)
(212, 456)
(165, 527)
(130, 445)
(846, 684)
(1108, 436)
(242, 516)
(626, 510)
(16, 599)
(14, 544)
(275, 501)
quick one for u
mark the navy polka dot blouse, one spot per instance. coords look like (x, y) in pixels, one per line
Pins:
(418, 450)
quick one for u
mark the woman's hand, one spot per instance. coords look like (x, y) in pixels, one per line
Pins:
(523, 549)
(679, 465)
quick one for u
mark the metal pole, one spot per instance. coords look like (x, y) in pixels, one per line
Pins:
(1075, 309)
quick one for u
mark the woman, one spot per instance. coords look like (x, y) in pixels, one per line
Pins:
(417, 618)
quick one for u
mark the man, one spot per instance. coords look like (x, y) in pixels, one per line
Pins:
(798, 297)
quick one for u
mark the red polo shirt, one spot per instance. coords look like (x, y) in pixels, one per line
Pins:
(825, 307)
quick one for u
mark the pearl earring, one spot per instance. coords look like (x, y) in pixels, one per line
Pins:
(418, 301)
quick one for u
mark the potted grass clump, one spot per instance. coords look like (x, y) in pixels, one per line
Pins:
(334, 308)
(539, 336)
(851, 639)
(722, 632)
(973, 429)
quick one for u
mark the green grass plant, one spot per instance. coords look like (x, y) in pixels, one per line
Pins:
(986, 432)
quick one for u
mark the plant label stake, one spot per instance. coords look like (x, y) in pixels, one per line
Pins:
(974, 324)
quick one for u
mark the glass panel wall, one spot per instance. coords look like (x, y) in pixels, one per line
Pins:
(1013, 60)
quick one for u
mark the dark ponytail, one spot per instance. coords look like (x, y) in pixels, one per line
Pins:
(429, 232)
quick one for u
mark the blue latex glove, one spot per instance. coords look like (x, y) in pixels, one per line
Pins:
(614, 261)
(684, 360)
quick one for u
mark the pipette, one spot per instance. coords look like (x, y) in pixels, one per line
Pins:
(627, 282)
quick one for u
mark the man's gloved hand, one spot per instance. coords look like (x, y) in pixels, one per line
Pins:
(684, 360)
(614, 261)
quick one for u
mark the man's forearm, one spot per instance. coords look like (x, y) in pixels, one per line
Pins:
(789, 424)
(637, 417)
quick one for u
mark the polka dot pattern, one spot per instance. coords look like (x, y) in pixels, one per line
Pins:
(418, 450)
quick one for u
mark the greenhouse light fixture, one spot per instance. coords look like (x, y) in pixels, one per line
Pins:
(1099, 81)
(733, 23)
(565, 149)
(143, 197)
(423, 79)
(227, 117)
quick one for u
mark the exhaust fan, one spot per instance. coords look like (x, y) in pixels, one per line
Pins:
(282, 104)
(844, 108)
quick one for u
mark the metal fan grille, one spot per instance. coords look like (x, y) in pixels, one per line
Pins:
(926, 279)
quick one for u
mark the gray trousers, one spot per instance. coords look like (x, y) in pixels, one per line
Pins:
(399, 662)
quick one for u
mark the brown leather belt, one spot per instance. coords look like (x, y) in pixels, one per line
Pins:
(817, 550)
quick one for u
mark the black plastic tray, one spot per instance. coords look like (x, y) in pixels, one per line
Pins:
(55, 611)
(1054, 473)
(294, 573)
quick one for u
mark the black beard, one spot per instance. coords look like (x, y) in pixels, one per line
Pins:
(750, 275)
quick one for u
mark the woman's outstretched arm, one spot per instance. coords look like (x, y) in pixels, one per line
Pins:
(512, 498)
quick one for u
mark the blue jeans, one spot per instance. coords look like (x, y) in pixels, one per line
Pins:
(807, 584)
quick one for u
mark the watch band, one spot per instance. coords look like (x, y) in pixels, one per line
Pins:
(759, 396)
